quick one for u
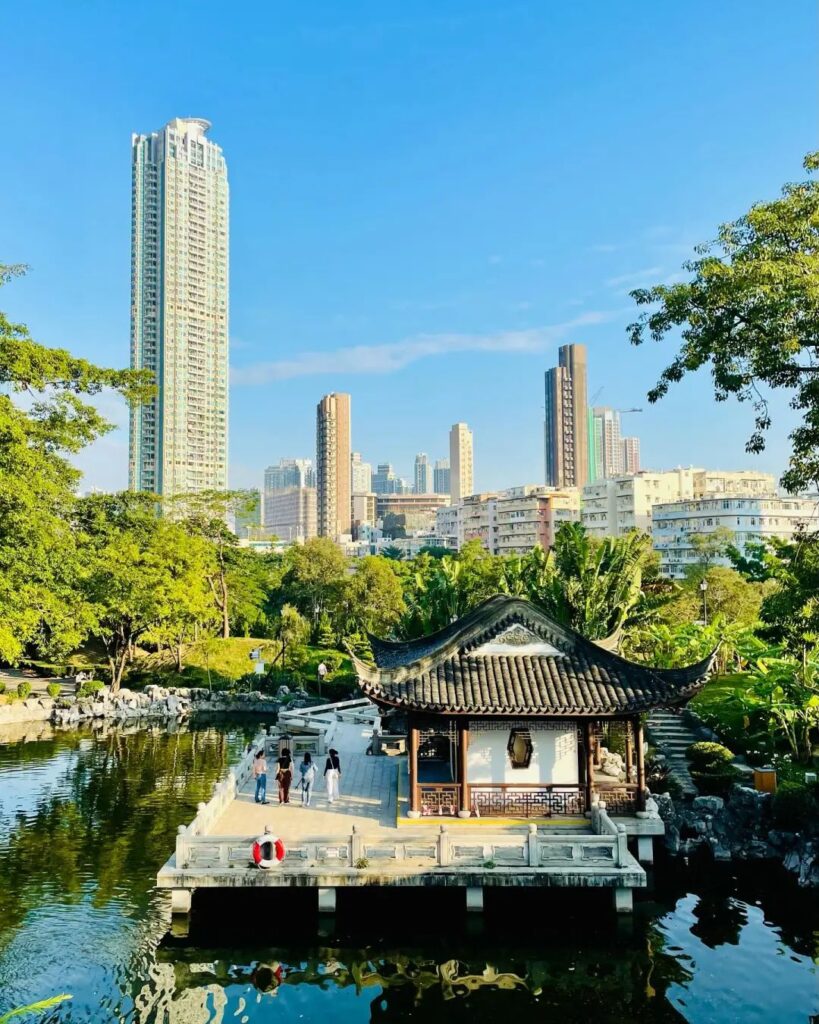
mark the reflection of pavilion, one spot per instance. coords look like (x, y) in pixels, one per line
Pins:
(508, 713)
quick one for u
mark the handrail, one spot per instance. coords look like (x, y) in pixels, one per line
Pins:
(417, 849)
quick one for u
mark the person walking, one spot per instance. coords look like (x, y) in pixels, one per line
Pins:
(321, 672)
(332, 773)
(284, 775)
(308, 777)
(260, 774)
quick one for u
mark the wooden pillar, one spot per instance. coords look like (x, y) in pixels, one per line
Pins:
(463, 748)
(588, 743)
(628, 724)
(641, 764)
(414, 791)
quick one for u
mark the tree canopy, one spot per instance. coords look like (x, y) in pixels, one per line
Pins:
(751, 314)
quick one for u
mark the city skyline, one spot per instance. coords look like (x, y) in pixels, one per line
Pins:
(389, 264)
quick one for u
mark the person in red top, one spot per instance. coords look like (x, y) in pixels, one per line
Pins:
(284, 776)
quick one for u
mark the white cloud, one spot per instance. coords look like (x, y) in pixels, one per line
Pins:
(392, 356)
(635, 278)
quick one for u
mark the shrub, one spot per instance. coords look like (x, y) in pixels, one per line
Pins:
(23, 689)
(705, 756)
(53, 689)
(711, 768)
(796, 806)
(362, 863)
(2, 686)
(89, 687)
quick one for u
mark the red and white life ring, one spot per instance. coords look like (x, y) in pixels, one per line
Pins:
(275, 847)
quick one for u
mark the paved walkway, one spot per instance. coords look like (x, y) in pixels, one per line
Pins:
(367, 797)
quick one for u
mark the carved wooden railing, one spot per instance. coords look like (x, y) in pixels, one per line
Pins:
(526, 800)
(619, 797)
(424, 850)
(503, 799)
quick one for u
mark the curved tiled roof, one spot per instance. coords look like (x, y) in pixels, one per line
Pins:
(446, 673)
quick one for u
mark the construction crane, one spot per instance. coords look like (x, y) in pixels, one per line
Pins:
(624, 411)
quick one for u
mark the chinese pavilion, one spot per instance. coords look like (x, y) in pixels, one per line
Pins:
(509, 713)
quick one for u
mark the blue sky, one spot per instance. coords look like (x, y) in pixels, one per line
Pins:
(426, 199)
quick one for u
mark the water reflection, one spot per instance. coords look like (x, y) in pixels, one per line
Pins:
(86, 818)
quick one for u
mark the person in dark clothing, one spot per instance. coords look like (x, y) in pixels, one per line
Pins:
(284, 775)
(332, 773)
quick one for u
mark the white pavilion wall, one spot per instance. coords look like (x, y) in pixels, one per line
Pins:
(554, 755)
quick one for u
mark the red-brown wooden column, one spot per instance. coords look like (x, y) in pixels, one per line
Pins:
(414, 791)
(629, 747)
(588, 743)
(641, 764)
(463, 749)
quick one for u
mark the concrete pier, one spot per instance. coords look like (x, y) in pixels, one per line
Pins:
(366, 839)
(645, 849)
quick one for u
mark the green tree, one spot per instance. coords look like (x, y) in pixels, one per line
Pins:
(314, 580)
(707, 548)
(790, 608)
(234, 579)
(132, 573)
(40, 603)
(751, 314)
(373, 598)
(593, 586)
(190, 608)
(728, 595)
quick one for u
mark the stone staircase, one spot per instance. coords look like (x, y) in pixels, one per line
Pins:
(672, 737)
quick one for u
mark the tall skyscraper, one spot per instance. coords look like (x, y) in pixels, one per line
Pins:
(179, 309)
(423, 474)
(461, 483)
(333, 466)
(441, 484)
(566, 432)
(606, 444)
(362, 477)
(631, 454)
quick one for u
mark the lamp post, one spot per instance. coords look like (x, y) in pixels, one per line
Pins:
(704, 589)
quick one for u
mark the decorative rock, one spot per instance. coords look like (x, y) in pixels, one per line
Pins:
(708, 803)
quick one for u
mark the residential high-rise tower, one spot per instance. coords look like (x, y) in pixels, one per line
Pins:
(441, 476)
(423, 474)
(566, 430)
(179, 309)
(461, 483)
(333, 466)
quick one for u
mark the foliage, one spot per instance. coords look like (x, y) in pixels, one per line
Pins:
(729, 597)
(779, 700)
(39, 564)
(233, 577)
(314, 579)
(373, 599)
(23, 689)
(591, 585)
(89, 687)
(796, 806)
(53, 690)
(705, 755)
(664, 645)
(711, 767)
(142, 577)
(39, 1007)
(790, 609)
(751, 313)
(2, 686)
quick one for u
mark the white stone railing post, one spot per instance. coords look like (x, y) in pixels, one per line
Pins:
(182, 849)
(622, 845)
(444, 848)
(534, 848)
(356, 847)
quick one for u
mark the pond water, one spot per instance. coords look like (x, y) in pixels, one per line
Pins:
(87, 818)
